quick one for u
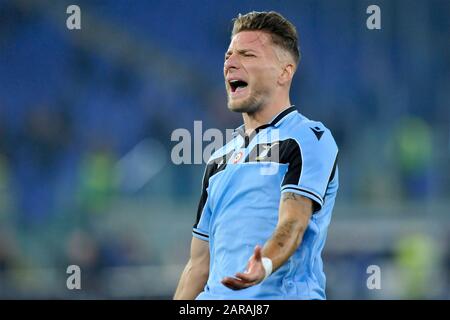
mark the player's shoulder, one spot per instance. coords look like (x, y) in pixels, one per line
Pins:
(309, 132)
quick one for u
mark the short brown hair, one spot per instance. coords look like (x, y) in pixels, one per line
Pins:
(282, 31)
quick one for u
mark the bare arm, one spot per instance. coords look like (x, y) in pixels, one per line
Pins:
(294, 214)
(196, 272)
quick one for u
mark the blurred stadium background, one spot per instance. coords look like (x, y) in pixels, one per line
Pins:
(86, 119)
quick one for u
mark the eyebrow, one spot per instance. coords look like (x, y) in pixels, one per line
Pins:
(241, 51)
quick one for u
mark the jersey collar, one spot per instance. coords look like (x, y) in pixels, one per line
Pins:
(276, 121)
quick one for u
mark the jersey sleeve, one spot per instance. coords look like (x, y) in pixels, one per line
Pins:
(201, 227)
(312, 161)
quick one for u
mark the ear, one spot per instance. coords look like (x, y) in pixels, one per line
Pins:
(286, 74)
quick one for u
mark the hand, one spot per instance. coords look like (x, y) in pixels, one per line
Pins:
(253, 275)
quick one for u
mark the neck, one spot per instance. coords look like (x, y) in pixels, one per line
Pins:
(264, 115)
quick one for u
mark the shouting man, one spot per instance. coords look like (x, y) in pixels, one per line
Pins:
(259, 232)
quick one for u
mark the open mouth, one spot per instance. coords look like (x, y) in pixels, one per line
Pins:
(237, 85)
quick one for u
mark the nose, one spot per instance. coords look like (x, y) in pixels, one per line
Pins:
(230, 63)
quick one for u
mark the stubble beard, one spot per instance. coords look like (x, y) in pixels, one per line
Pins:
(251, 104)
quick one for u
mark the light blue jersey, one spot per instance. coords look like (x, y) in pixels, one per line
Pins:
(238, 208)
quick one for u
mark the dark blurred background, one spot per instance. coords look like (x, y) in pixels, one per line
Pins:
(86, 118)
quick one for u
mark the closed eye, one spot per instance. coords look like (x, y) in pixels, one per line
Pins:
(247, 53)
(243, 53)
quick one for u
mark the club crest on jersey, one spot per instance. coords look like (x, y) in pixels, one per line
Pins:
(237, 157)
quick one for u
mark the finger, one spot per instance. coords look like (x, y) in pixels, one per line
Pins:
(231, 283)
(240, 281)
(235, 284)
(246, 277)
